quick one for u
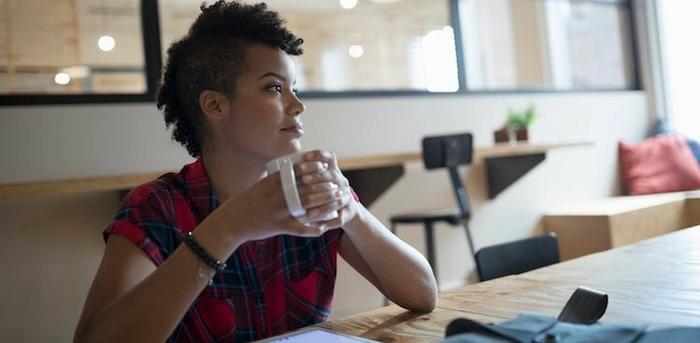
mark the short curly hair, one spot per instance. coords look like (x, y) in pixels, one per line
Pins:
(212, 56)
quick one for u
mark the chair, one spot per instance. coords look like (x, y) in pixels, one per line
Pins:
(447, 151)
(517, 257)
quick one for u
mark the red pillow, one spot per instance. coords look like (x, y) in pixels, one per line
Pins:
(659, 164)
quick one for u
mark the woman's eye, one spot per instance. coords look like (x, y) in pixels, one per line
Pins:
(295, 90)
(275, 88)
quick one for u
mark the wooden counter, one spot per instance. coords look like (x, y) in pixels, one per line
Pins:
(125, 182)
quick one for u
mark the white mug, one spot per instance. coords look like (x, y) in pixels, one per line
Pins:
(285, 165)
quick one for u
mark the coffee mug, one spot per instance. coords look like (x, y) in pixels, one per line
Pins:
(285, 166)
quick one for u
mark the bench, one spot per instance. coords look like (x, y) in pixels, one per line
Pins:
(591, 227)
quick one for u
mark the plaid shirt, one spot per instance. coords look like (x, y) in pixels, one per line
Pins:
(268, 287)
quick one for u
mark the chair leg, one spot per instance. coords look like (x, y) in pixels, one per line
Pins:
(470, 241)
(430, 244)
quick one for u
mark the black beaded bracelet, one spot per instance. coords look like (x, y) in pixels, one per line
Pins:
(199, 251)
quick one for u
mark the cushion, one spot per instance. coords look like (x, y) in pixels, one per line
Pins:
(662, 127)
(663, 163)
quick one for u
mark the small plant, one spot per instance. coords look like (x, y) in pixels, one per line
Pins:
(521, 120)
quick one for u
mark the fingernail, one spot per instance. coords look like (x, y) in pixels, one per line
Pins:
(325, 166)
(339, 194)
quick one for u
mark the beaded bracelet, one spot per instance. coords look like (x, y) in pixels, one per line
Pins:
(199, 251)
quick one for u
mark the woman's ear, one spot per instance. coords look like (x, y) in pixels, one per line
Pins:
(214, 105)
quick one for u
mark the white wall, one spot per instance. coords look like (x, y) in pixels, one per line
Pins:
(58, 142)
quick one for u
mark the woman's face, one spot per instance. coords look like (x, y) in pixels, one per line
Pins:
(263, 120)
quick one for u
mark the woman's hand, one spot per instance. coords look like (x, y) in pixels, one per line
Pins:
(342, 201)
(262, 212)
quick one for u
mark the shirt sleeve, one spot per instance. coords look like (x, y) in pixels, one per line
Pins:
(145, 221)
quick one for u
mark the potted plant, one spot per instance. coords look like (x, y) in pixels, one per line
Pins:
(516, 125)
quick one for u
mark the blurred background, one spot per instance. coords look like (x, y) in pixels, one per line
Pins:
(77, 80)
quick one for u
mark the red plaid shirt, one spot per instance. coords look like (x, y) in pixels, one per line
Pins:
(268, 287)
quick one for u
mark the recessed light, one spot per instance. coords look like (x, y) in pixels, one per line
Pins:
(356, 51)
(61, 79)
(348, 4)
(106, 43)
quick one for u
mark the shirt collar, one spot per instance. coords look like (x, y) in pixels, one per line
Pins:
(198, 187)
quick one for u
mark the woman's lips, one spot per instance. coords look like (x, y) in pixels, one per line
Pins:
(295, 130)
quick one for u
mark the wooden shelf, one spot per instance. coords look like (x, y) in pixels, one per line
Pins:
(506, 149)
(125, 182)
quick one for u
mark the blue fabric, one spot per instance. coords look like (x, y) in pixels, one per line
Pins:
(540, 329)
(530, 328)
(695, 147)
(662, 127)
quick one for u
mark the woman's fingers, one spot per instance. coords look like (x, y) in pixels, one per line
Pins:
(322, 198)
(317, 213)
(322, 155)
(320, 187)
(316, 177)
(308, 167)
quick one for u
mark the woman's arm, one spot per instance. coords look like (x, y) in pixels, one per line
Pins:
(400, 272)
(394, 267)
(133, 301)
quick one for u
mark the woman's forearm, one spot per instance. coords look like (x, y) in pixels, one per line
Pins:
(152, 309)
(404, 274)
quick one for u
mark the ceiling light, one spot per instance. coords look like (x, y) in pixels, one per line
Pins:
(106, 43)
(348, 4)
(356, 51)
(61, 79)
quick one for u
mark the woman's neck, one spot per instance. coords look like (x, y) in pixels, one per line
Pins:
(231, 172)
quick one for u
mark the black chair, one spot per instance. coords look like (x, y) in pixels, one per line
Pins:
(517, 257)
(449, 151)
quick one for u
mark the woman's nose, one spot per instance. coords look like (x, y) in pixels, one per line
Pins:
(296, 107)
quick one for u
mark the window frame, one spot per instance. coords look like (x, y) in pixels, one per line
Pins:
(150, 23)
(150, 35)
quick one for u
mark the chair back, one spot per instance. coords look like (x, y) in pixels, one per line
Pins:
(517, 257)
(451, 151)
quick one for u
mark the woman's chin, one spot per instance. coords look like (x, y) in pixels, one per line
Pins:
(295, 146)
(291, 148)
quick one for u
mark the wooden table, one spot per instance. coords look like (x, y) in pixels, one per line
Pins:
(655, 282)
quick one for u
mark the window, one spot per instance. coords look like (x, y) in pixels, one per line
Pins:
(71, 48)
(71, 51)
(547, 44)
(678, 29)
(350, 46)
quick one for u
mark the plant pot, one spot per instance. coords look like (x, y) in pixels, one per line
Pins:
(521, 134)
(502, 135)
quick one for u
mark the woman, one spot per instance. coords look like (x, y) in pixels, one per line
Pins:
(228, 92)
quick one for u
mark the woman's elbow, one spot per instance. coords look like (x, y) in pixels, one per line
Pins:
(427, 306)
(424, 302)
